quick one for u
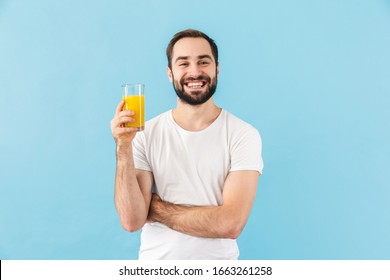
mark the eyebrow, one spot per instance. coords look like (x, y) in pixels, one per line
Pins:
(199, 57)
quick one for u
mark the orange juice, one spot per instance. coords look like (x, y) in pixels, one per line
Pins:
(135, 103)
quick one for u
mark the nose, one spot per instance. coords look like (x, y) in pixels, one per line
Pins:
(194, 70)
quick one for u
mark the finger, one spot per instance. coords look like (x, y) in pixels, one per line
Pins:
(124, 130)
(129, 129)
(119, 107)
(124, 120)
(121, 121)
(126, 113)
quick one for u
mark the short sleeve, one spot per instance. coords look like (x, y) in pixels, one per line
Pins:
(139, 152)
(246, 150)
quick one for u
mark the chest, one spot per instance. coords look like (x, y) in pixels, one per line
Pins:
(193, 167)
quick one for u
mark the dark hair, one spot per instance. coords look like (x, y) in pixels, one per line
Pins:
(190, 33)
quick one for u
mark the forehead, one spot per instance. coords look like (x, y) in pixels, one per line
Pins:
(192, 47)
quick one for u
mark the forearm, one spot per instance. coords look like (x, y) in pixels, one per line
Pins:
(202, 221)
(130, 202)
(225, 221)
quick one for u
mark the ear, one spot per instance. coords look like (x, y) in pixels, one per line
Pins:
(170, 76)
(217, 69)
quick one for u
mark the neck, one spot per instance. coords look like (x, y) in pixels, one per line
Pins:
(195, 118)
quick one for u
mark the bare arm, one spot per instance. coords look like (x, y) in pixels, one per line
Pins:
(225, 221)
(132, 187)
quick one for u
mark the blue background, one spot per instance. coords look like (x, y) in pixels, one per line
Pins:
(312, 76)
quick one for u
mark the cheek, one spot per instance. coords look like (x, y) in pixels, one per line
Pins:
(178, 78)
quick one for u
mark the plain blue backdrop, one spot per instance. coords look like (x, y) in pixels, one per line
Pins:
(312, 76)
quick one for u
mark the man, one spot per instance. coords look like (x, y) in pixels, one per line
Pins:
(202, 161)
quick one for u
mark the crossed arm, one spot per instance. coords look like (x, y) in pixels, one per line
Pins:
(136, 205)
(225, 221)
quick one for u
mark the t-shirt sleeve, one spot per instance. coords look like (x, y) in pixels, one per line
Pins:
(246, 150)
(139, 152)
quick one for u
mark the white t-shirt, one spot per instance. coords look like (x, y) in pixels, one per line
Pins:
(190, 168)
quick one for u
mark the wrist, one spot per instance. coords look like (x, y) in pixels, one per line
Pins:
(124, 152)
(156, 210)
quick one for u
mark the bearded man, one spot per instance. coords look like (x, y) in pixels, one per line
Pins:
(190, 178)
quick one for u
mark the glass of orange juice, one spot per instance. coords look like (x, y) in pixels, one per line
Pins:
(133, 95)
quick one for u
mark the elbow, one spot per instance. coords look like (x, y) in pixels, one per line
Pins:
(131, 226)
(131, 223)
(234, 230)
(233, 233)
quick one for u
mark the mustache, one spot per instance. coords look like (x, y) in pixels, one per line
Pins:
(196, 78)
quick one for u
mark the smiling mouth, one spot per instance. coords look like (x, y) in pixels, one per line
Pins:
(195, 84)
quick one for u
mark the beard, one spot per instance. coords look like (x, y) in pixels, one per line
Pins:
(195, 97)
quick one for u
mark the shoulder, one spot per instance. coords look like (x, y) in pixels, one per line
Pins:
(237, 126)
(157, 123)
(154, 127)
(163, 117)
(245, 145)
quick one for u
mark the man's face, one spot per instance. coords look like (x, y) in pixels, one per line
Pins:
(194, 71)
